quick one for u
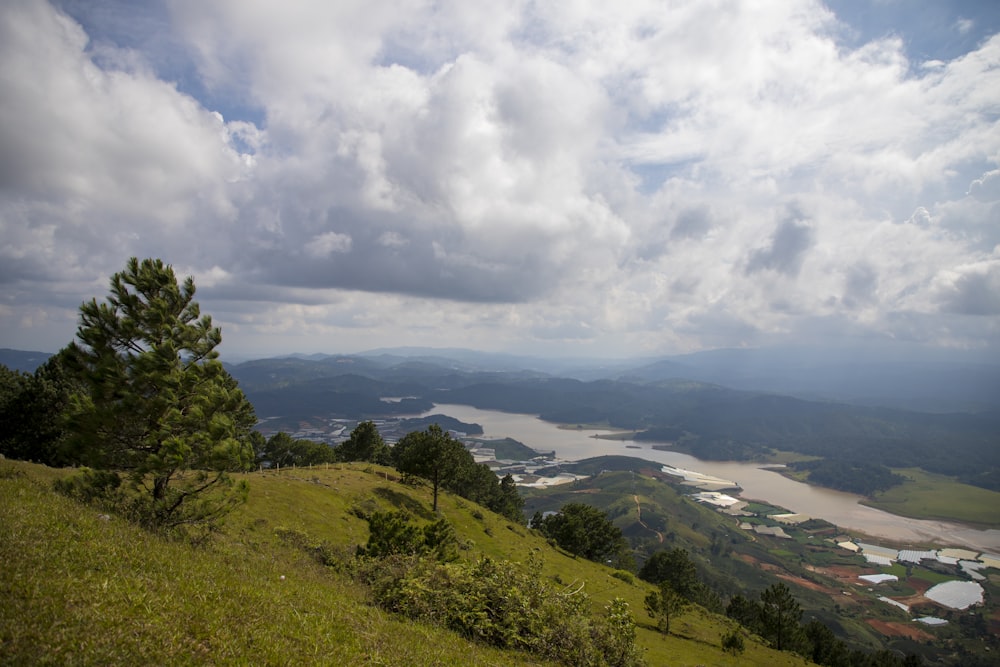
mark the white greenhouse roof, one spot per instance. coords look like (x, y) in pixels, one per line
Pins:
(716, 498)
(894, 603)
(773, 531)
(908, 556)
(878, 578)
(931, 620)
(956, 594)
(972, 568)
(879, 551)
(878, 560)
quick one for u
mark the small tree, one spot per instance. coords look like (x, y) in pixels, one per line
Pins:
(615, 636)
(431, 454)
(732, 642)
(157, 402)
(663, 604)
(510, 503)
(674, 567)
(365, 444)
(779, 616)
(744, 611)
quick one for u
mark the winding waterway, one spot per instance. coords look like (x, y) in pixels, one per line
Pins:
(841, 509)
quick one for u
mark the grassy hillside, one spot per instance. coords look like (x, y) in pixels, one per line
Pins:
(82, 588)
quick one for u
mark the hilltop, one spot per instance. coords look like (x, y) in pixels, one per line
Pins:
(274, 584)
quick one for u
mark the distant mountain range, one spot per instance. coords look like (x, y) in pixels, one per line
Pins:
(925, 381)
(22, 360)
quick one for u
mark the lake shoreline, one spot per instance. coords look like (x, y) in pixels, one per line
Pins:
(904, 509)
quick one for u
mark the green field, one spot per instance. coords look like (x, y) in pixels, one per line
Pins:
(929, 496)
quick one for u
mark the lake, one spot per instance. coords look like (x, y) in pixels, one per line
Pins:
(841, 509)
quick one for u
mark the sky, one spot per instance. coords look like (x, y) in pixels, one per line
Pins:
(554, 178)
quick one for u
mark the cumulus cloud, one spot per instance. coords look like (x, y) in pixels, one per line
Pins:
(617, 177)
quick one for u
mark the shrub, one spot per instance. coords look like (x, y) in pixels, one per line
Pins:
(732, 642)
(624, 575)
(391, 533)
(95, 487)
(500, 604)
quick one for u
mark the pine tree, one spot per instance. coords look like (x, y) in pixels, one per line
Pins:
(431, 454)
(157, 402)
(364, 444)
(779, 616)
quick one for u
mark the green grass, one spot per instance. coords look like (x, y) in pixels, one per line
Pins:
(930, 496)
(81, 589)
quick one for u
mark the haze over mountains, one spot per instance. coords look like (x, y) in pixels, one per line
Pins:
(923, 381)
(931, 382)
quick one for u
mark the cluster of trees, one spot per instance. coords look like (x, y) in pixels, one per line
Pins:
(30, 406)
(364, 444)
(584, 530)
(431, 454)
(859, 477)
(776, 616)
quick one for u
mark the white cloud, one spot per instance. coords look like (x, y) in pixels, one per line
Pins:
(964, 26)
(613, 177)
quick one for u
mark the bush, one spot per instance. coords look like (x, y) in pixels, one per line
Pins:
(94, 487)
(500, 604)
(391, 533)
(625, 576)
(732, 642)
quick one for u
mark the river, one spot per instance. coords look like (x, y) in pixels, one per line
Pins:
(841, 509)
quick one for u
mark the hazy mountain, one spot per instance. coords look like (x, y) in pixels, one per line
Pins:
(22, 360)
(929, 382)
(907, 378)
